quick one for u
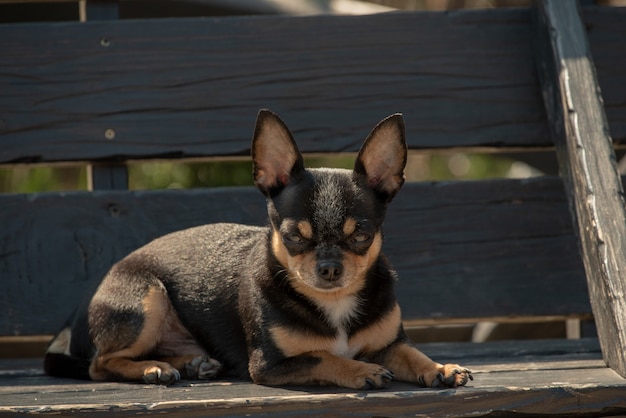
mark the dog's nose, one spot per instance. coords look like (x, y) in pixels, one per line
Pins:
(329, 270)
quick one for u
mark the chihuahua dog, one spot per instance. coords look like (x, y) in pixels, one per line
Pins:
(308, 300)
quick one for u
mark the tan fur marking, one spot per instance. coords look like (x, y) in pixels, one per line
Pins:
(372, 339)
(302, 270)
(279, 250)
(293, 343)
(380, 334)
(305, 229)
(408, 364)
(331, 370)
(61, 343)
(156, 308)
(349, 226)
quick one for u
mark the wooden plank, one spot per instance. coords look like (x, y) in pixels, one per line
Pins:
(503, 247)
(498, 388)
(192, 87)
(588, 164)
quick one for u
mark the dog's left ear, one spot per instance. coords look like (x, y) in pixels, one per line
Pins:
(275, 155)
(383, 156)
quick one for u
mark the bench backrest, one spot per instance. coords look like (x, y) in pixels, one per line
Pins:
(103, 93)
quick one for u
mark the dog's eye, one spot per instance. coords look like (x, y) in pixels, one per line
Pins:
(293, 238)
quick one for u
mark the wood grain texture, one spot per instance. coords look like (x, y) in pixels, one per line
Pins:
(192, 87)
(523, 378)
(588, 164)
(474, 249)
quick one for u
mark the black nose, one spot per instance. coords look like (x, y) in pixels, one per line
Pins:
(329, 270)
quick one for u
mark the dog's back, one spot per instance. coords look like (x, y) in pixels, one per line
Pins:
(199, 268)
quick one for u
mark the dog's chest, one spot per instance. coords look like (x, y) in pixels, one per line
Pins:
(338, 314)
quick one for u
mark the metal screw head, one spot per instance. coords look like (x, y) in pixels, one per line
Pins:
(109, 134)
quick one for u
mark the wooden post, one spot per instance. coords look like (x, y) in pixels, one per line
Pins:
(588, 166)
(108, 176)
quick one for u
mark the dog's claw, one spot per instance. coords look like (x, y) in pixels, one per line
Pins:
(452, 376)
(369, 384)
(156, 375)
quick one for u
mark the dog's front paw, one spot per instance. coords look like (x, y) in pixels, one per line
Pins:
(448, 375)
(162, 374)
(202, 368)
(370, 376)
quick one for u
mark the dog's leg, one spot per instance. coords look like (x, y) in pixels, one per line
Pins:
(411, 365)
(150, 346)
(121, 340)
(323, 368)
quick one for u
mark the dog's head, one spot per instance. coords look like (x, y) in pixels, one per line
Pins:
(326, 223)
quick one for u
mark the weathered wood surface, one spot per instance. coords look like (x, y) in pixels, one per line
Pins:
(192, 87)
(589, 168)
(449, 242)
(543, 377)
(186, 87)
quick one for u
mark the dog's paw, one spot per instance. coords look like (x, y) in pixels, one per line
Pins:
(163, 374)
(449, 375)
(371, 376)
(202, 368)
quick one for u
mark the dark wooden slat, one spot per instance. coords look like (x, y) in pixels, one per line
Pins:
(495, 248)
(192, 87)
(588, 164)
(543, 383)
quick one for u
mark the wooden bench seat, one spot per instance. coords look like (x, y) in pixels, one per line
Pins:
(530, 377)
(106, 93)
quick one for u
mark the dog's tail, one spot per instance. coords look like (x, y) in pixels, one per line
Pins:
(59, 362)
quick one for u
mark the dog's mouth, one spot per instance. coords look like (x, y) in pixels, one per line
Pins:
(315, 283)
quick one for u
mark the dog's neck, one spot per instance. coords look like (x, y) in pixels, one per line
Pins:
(340, 311)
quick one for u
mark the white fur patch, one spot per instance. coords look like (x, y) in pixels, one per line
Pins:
(338, 313)
(61, 343)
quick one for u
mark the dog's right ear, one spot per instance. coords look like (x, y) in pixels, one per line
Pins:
(275, 155)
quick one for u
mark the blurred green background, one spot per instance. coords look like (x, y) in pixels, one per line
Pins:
(168, 175)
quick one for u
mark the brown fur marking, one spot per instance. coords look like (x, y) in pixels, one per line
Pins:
(408, 364)
(411, 365)
(305, 229)
(349, 226)
(374, 338)
(332, 370)
(380, 334)
(162, 333)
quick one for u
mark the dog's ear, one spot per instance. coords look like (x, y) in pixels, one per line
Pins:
(383, 156)
(275, 155)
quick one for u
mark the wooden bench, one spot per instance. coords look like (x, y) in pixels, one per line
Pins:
(104, 93)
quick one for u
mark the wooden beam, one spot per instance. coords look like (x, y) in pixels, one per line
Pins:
(588, 166)
(505, 243)
(105, 176)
